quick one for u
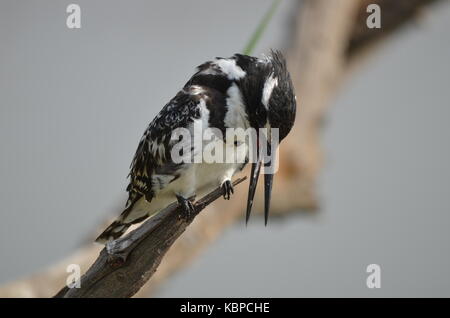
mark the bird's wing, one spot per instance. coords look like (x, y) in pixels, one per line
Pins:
(152, 167)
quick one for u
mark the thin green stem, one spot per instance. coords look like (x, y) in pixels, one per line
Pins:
(256, 36)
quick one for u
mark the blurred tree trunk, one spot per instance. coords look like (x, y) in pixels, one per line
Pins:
(328, 37)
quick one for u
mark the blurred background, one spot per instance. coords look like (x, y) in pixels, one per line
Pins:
(75, 102)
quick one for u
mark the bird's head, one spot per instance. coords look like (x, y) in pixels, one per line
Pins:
(270, 102)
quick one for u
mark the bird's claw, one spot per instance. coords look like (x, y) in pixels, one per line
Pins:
(187, 207)
(228, 189)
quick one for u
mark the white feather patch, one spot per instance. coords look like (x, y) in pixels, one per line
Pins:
(236, 115)
(229, 67)
(269, 85)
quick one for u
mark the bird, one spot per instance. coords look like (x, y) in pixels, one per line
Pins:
(240, 91)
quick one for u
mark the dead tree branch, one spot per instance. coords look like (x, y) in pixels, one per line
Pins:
(126, 264)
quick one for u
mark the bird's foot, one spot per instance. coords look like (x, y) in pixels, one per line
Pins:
(228, 189)
(187, 206)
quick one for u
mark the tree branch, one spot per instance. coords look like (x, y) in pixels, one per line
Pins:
(126, 264)
(394, 14)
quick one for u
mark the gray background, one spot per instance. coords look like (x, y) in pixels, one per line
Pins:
(74, 103)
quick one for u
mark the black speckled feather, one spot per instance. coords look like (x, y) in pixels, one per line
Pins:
(181, 111)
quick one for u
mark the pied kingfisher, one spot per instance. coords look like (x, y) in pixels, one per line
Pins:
(236, 92)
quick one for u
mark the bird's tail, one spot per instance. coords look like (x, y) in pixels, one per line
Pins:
(135, 212)
(112, 232)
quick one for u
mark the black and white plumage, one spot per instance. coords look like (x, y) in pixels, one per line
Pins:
(236, 92)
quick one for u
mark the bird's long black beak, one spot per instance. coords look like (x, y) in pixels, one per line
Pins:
(268, 180)
(254, 175)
